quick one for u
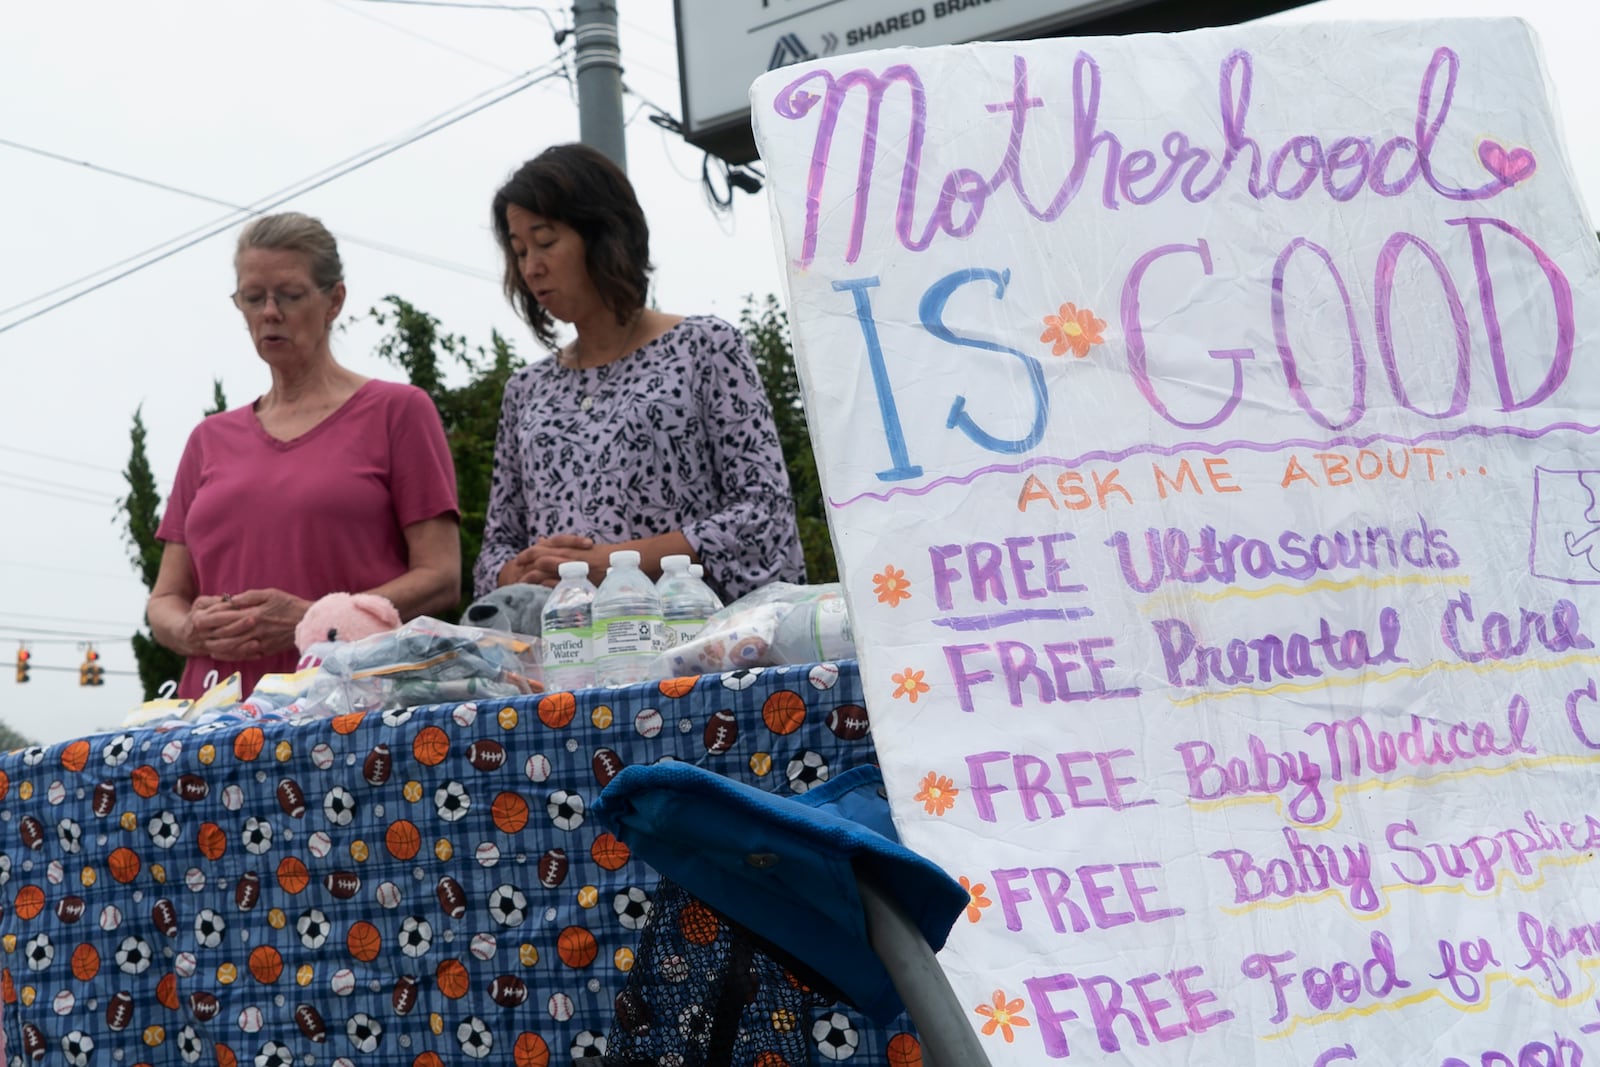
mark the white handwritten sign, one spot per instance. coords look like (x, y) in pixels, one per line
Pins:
(1208, 426)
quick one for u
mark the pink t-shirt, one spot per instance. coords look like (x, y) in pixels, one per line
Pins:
(324, 513)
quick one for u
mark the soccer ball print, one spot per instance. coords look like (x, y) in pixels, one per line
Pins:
(401, 888)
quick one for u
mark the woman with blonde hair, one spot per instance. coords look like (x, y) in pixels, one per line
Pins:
(327, 482)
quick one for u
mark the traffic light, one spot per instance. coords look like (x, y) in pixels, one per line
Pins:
(23, 656)
(90, 672)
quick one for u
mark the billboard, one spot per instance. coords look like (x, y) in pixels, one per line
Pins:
(723, 46)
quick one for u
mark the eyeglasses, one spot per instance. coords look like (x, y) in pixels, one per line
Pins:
(255, 300)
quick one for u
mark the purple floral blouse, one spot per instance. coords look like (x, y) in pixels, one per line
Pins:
(677, 435)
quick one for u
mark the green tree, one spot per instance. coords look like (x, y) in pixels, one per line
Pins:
(141, 509)
(470, 412)
(767, 327)
(10, 740)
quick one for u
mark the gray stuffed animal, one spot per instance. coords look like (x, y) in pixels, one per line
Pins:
(511, 608)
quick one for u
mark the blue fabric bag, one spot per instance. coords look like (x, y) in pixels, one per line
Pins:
(782, 868)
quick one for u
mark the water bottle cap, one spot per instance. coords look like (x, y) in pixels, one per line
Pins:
(669, 563)
(624, 557)
(573, 568)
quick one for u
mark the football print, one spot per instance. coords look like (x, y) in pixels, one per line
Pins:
(309, 1020)
(848, 722)
(104, 801)
(342, 884)
(379, 764)
(247, 891)
(722, 730)
(204, 1006)
(119, 1010)
(606, 766)
(291, 798)
(508, 991)
(404, 997)
(452, 898)
(165, 917)
(486, 755)
(553, 866)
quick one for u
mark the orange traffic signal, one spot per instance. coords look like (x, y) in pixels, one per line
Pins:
(23, 656)
(90, 672)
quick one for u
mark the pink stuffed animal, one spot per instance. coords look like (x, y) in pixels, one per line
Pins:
(344, 617)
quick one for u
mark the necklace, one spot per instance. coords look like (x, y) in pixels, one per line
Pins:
(575, 360)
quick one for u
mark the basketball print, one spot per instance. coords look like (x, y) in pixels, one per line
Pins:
(364, 941)
(577, 947)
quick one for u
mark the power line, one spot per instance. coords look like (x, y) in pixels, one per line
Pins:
(456, 3)
(514, 8)
(106, 503)
(424, 38)
(49, 483)
(393, 250)
(204, 229)
(32, 566)
(636, 28)
(29, 630)
(360, 160)
(52, 457)
(59, 618)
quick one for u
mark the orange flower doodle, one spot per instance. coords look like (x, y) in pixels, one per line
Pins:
(976, 898)
(1074, 328)
(1002, 1016)
(909, 684)
(937, 796)
(891, 586)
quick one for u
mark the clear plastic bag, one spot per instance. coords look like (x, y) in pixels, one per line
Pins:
(777, 624)
(426, 661)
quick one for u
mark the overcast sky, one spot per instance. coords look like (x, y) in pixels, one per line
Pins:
(237, 100)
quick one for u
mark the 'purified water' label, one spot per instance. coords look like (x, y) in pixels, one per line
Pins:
(568, 648)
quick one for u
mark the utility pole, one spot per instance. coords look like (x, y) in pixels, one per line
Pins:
(599, 60)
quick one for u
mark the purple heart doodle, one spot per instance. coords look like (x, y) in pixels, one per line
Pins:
(1510, 167)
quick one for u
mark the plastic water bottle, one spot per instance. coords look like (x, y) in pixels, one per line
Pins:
(700, 575)
(686, 601)
(567, 626)
(628, 629)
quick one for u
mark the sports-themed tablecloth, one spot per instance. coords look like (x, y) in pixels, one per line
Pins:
(406, 889)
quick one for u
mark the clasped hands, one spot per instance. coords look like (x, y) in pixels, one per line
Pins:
(243, 626)
(539, 563)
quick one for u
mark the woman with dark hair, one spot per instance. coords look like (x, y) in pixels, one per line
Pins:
(647, 431)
